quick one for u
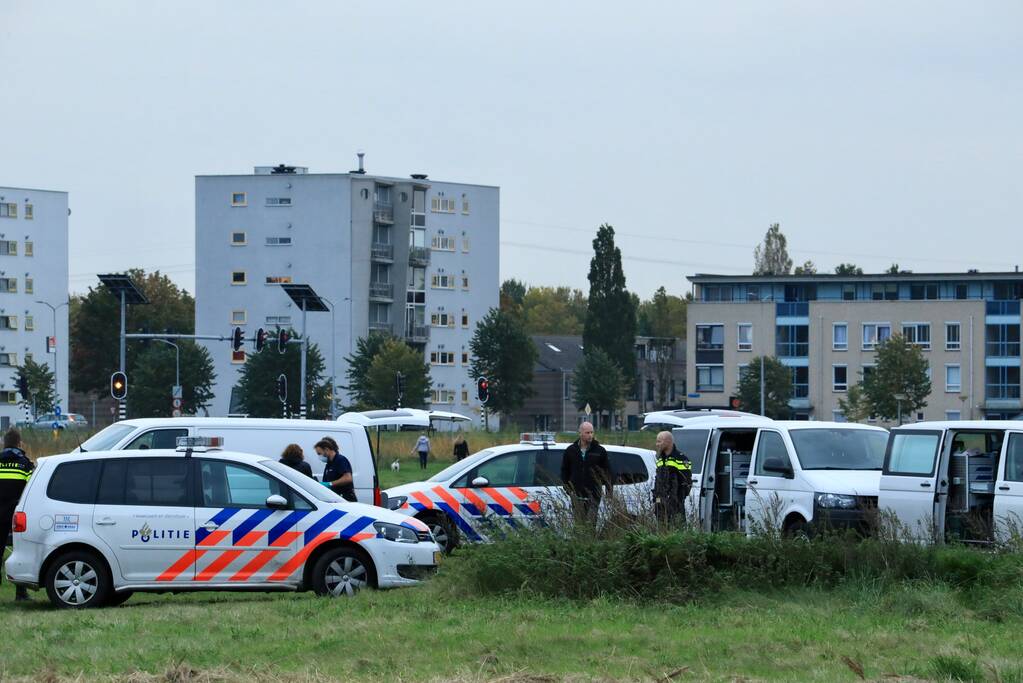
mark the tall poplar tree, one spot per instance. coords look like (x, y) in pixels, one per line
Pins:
(611, 312)
(772, 257)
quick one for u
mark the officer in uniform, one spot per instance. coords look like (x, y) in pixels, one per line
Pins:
(674, 479)
(337, 473)
(15, 469)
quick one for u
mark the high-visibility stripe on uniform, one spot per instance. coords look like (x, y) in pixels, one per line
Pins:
(17, 475)
(681, 465)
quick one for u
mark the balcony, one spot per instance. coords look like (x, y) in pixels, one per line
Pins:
(377, 326)
(792, 309)
(381, 290)
(383, 213)
(792, 349)
(417, 333)
(1002, 307)
(419, 256)
(1009, 349)
(382, 252)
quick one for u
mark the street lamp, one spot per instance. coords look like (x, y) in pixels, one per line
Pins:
(899, 398)
(56, 387)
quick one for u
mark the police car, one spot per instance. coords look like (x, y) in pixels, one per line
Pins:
(512, 487)
(92, 528)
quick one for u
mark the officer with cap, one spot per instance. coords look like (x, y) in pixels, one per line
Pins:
(15, 469)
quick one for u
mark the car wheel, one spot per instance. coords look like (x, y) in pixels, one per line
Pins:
(119, 598)
(444, 532)
(342, 572)
(77, 580)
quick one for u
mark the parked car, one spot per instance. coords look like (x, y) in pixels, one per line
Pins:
(63, 421)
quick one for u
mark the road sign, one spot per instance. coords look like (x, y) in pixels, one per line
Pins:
(176, 403)
(56, 411)
(56, 425)
(176, 391)
(176, 413)
(51, 345)
(587, 409)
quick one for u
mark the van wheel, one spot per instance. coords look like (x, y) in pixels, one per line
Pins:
(342, 572)
(444, 532)
(77, 580)
(797, 528)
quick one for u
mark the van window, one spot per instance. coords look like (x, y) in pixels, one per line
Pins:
(692, 443)
(912, 453)
(225, 484)
(75, 482)
(771, 445)
(145, 481)
(106, 439)
(839, 449)
(1014, 458)
(626, 468)
(156, 438)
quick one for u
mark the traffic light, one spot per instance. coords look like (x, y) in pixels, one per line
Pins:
(119, 386)
(399, 384)
(734, 403)
(483, 389)
(282, 340)
(23, 387)
(237, 338)
(282, 388)
(261, 337)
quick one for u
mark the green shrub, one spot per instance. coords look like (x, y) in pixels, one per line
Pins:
(955, 668)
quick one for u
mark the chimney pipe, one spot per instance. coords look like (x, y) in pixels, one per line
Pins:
(361, 168)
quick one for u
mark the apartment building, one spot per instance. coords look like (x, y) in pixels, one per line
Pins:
(33, 290)
(414, 257)
(825, 329)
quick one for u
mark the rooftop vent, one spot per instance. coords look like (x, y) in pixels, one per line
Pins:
(362, 169)
(280, 169)
(419, 176)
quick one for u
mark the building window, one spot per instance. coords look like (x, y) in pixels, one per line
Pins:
(8, 248)
(238, 356)
(710, 337)
(649, 390)
(952, 339)
(848, 292)
(710, 378)
(8, 322)
(442, 358)
(800, 382)
(8, 284)
(29, 285)
(1000, 382)
(442, 243)
(279, 320)
(745, 337)
(443, 396)
(278, 279)
(465, 319)
(278, 241)
(465, 397)
(278, 201)
(952, 415)
(837, 416)
(839, 337)
(238, 317)
(465, 283)
(465, 205)
(8, 210)
(29, 248)
(442, 281)
(238, 199)
(465, 245)
(442, 205)
(953, 379)
(380, 314)
(28, 357)
(839, 378)
(918, 333)
(9, 360)
(30, 324)
(465, 357)
(741, 371)
(9, 396)
(923, 291)
(238, 238)
(29, 214)
(442, 319)
(874, 334)
(962, 291)
(792, 341)
(238, 277)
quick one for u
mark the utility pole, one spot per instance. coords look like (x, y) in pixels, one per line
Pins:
(762, 386)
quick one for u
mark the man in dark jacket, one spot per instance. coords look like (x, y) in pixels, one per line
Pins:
(15, 469)
(673, 480)
(585, 473)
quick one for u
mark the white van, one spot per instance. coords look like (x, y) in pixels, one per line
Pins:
(753, 473)
(955, 479)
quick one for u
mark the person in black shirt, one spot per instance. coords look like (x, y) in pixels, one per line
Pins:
(461, 447)
(337, 474)
(15, 469)
(293, 458)
(585, 473)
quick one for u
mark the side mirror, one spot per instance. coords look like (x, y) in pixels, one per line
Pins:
(276, 502)
(778, 467)
(480, 482)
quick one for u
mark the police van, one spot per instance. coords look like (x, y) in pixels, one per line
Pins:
(754, 474)
(512, 487)
(92, 528)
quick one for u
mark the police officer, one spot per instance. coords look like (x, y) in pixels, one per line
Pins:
(673, 480)
(15, 469)
(337, 474)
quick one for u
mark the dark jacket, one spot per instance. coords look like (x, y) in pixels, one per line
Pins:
(585, 477)
(15, 469)
(298, 464)
(673, 482)
(461, 450)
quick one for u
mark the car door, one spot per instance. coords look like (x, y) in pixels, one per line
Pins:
(507, 486)
(239, 538)
(693, 444)
(910, 486)
(144, 514)
(770, 484)
(632, 481)
(1008, 509)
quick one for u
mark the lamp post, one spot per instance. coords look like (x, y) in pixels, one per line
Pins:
(899, 398)
(333, 358)
(177, 360)
(56, 387)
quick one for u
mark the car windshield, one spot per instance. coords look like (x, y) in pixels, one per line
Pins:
(299, 480)
(452, 471)
(106, 439)
(839, 449)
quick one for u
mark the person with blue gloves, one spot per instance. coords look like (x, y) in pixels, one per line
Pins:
(337, 471)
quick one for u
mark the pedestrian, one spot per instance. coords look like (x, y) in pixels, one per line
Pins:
(423, 448)
(15, 469)
(461, 447)
(586, 473)
(673, 479)
(295, 459)
(337, 473)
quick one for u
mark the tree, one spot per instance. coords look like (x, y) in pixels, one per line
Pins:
(895, 269)
(598, 382)
(610, 314)
(901, 369)
(512, 293)
(848, 269)
(366, 349)
(41, 395)
(808, 268)
(777, 388)
(554, 310)
(855, 407)
(504, 354)
(664, 315)
(772, 257)
(393, 357)
(257, 384)
(95, 321)
(150, 388)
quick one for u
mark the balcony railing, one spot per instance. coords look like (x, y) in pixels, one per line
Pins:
(419, 255)
(383, 212)
(380, 326)
(417, 333)
(792, 309)
(382, 252)
(1002, 349)
(381, 290)
(1002, 307)
(1002, 391)
(792, 349)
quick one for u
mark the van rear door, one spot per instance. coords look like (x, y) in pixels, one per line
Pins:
(910, 485)
(692, 443)
(1008, 510)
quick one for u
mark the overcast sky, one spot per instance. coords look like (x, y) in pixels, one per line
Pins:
(872, 131)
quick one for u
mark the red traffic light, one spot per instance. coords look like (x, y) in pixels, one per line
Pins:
(483, 389)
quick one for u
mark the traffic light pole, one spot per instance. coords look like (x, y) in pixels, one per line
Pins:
(301, 389)
(122, 408)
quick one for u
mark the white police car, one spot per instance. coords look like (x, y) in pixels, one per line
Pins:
(511, 487)
(93, 528)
